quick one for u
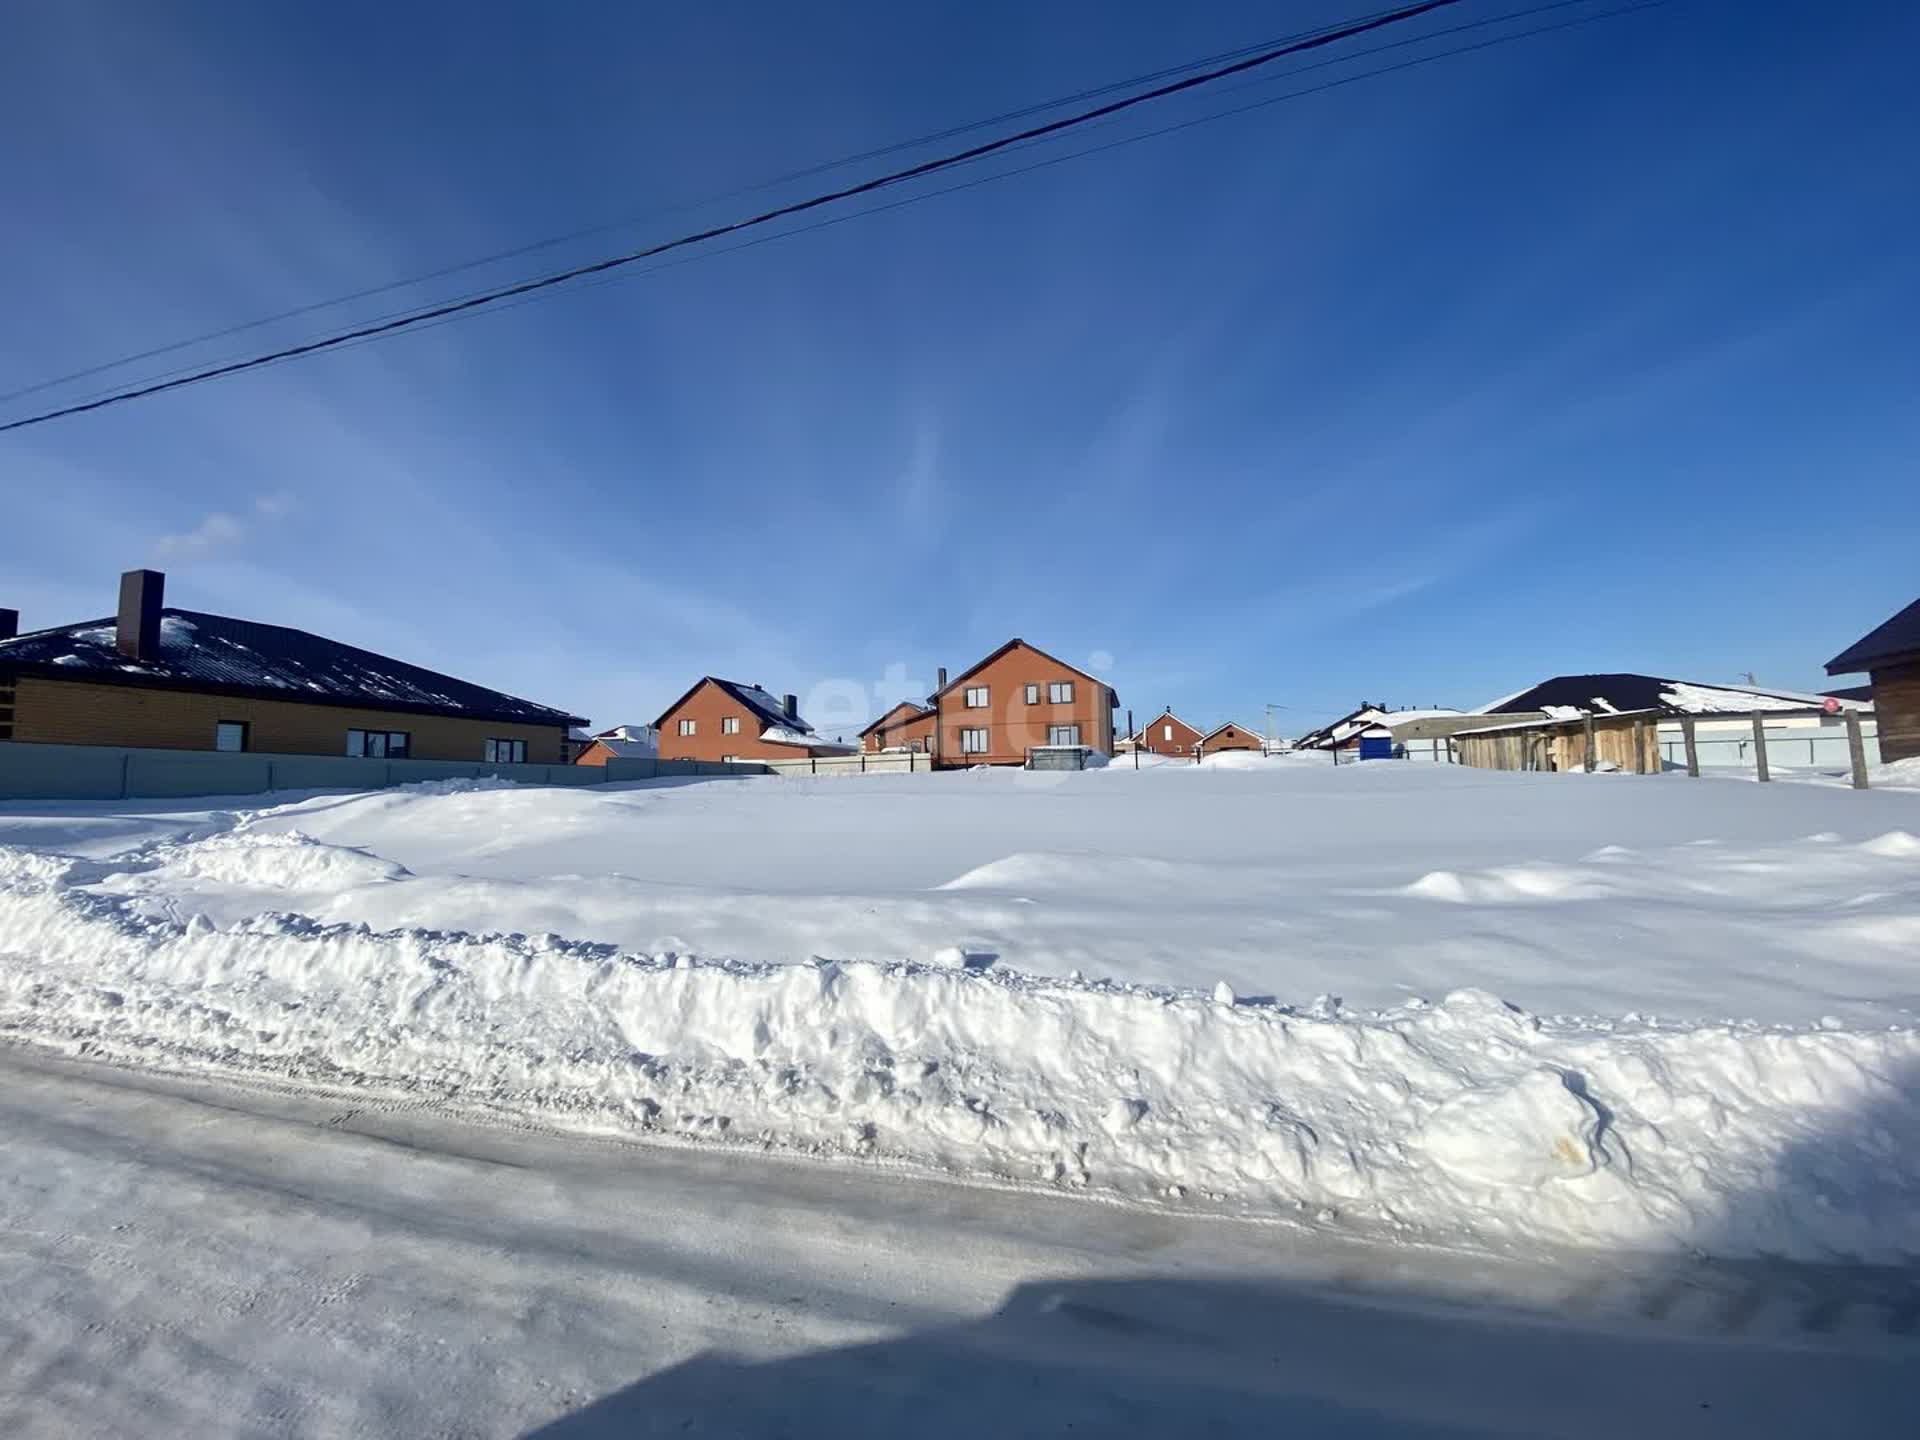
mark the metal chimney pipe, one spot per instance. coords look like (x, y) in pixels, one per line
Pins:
(941, 682)
(791, 704)
(9, 624)
(142, 592)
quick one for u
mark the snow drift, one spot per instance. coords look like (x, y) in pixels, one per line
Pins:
(1463, 1119)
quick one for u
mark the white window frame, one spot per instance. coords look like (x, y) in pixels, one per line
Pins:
(689, 727)
(984, 700)
(974, 742)
(1166, 731)
(1033, 694)
(1063, 735)
(1060, 692)
(220, 726)
(728, 759)
(378, 744)
(729, 724)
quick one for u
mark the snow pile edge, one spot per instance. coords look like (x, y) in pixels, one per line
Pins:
(1465, 1119)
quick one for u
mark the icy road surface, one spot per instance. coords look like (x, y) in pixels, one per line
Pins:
(179, 1259)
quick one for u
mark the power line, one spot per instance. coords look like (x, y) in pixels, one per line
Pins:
(435, 314)
(913, 172)
(549, 242)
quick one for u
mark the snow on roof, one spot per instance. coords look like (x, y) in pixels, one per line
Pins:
(218, 652)
(783, 735)
(628, 749)
(768, 710)
(1569, 695)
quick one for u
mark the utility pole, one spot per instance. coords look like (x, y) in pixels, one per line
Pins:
(1273, 736)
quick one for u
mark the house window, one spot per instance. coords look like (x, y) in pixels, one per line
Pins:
(1060, 692)
(973, 742)
(1166, 732)
(230, 735)
(730, 725)
(728, 759)
(1033, 694)
(1063, 735)
(506, 752)
(686, 727)
(976, 697)
(378, 744)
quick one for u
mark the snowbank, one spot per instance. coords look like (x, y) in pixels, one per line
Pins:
(1463, 1119)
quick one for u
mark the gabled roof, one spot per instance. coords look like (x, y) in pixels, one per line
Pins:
(1618, 693)
(1897, 639)
(218, 653)
(919, 712)
(1166, 714)
(1343, 729)
(626, 749)
(764, 708)
(982, 664)
(1259, 735)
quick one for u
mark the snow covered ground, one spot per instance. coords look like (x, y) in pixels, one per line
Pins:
(183, 1259)
(1609, 1011)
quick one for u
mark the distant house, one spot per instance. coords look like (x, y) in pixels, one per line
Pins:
(1346, 732)
(725, 720)
(622, 742)
(1890, 655)
(1231, 737)
(1016, 699)
(1165, 734)
(188, 680)
(907, 726)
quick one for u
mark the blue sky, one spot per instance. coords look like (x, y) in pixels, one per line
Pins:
(1591, 352)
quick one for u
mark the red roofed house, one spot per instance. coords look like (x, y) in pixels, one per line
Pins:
(1231, 737)
(1016, 699)
(725, 720)
(906, 726)
(1168, 734)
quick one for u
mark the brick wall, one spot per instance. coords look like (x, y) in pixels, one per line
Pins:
(709, 708)
(63, 712)
(1011, 723)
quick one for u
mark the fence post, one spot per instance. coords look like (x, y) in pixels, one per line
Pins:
(1856, 750)
(1760, 747)
(126, 764)
(1592, 757)
(1693, 745)
(863, 762)
(813, 763)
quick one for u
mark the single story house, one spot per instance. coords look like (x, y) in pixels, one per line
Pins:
(622, 742)
(907, 726)
(1890, 655)
(1231, 737)
(1166, 734)
(152, 676)
(724, 720)
(1015, 699)
(1368, 722)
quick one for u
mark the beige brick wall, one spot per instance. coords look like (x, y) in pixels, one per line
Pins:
(65, 712)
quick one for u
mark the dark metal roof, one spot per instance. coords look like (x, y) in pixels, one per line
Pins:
(1898, 639)
(758, 701)
(217, 653)
(1627, 692)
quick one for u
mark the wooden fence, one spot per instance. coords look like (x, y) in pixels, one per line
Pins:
(1629, 741)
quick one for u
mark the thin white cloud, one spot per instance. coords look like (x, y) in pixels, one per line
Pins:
(219, 530)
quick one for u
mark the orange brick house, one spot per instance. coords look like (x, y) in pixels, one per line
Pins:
(725, 720)
(1015, 699)
(1167, 734)
(1231, 737)
(906, 726)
